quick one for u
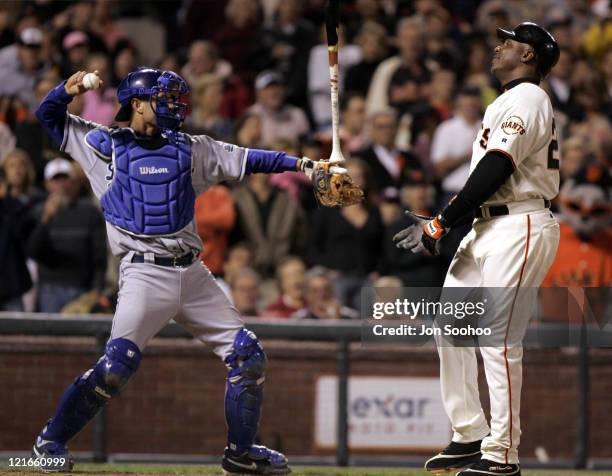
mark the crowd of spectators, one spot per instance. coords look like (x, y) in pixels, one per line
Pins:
(414, 84)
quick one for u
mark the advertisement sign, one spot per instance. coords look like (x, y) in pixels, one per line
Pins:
(385, 413)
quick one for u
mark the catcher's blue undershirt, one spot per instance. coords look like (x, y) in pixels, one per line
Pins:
(52, 115)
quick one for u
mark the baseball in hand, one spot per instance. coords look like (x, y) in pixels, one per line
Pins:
(91, 81)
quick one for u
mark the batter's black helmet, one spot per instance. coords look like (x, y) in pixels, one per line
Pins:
(543, 43)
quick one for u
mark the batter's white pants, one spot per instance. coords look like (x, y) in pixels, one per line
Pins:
(151, 295)
(510, 251)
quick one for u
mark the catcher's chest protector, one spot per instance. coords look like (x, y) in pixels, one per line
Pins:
(151, 192)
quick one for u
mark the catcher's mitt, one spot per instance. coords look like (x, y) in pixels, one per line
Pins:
(333, 189)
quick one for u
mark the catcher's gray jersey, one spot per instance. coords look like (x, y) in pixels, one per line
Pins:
(212, 162)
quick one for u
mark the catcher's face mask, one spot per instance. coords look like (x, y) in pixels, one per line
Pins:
(169, 101)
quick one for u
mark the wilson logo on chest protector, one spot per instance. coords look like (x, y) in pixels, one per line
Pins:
(153, 170)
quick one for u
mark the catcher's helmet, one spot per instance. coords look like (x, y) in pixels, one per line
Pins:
(543, 43)
(166, 87)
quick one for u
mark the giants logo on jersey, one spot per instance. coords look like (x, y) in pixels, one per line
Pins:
(513, 125)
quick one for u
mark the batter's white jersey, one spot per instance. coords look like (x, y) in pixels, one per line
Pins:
(520, 124)
(508, 252)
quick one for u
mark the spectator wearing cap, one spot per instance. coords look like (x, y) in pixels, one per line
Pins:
(419, 269)
(20, 66)
(389, 166)
(68, 242)
(100, 105)
(278, 119)
(348, 240)
(14, 228)
(76, 49)
(451, 149)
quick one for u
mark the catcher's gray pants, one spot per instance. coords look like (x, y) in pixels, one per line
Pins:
(151, 295)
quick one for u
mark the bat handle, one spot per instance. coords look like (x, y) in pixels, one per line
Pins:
(336, 153)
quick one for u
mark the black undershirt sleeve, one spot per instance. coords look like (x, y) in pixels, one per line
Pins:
(490, 174)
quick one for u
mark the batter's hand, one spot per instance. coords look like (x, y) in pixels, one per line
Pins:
(74, 86)
(425, 234)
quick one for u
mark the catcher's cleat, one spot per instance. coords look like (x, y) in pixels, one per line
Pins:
(454, 456)
(52, 457)
(486, 467)
(257, 460)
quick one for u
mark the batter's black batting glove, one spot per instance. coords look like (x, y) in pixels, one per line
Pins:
(425, 234)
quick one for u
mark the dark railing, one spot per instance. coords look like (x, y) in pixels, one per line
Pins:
(341, 332)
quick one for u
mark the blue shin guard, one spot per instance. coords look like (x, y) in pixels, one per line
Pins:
(244, 391)
(90, 392)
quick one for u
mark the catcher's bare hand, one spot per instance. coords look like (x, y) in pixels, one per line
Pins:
(74, 86)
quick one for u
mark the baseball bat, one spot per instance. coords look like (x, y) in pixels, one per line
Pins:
(332, 23)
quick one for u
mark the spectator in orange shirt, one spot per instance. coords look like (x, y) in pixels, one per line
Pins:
(584, 258)
(215, 216)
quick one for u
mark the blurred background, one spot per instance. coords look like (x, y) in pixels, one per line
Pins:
(415, 82)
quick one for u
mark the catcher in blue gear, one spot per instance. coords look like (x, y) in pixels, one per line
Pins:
(146, 176)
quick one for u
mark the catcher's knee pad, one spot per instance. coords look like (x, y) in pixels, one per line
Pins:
(120, 361)
(244, 391)
(247, 362)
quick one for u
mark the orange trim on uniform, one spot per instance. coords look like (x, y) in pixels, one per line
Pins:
(506, 154)
(508, 327)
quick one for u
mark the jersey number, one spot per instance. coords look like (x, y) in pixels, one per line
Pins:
(553, 150)
(110, 173)
(485, 138)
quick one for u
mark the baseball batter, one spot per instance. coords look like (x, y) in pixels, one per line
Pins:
(147, 176)
(514, 174)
